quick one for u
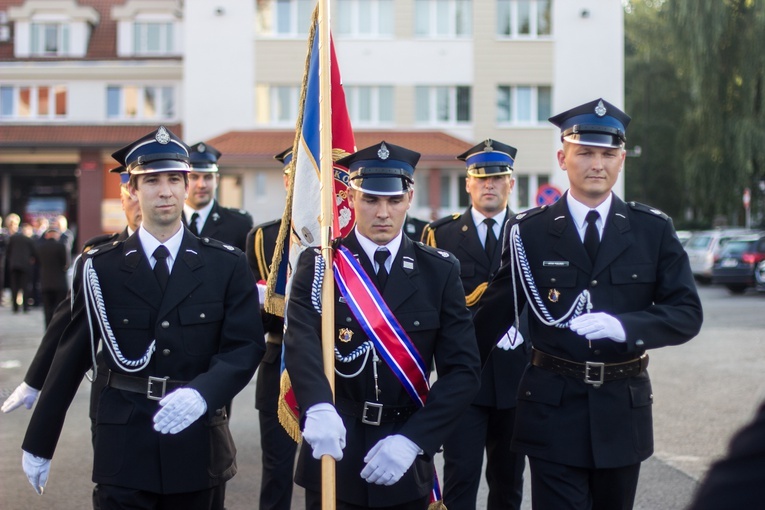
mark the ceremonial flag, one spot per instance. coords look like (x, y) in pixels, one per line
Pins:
(303, 210)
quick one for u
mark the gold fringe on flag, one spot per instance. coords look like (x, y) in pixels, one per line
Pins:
(287, 418)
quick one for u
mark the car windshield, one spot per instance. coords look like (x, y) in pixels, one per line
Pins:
(699, 242)
(735, 248)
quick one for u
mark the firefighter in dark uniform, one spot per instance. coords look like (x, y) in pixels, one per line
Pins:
(202, 213)
(383, 440)
(413, 227)
(488, 423)
(604, 280)
(177, 317)
(278, 448)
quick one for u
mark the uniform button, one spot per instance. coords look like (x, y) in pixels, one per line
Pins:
(166, 352)
(553, 280)
(528, 393)
(348, 319)
(218, 412)
(639, 344)
(202, 315)
(596, 352)
(125, 321)
(416, 323)
(651, 396)
(165, 324)
(634, 277)
(594, 283)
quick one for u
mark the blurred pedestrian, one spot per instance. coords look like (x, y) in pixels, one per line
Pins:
(21, 257)
(53, 259)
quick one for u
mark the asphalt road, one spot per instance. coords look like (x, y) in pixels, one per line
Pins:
(703, 391)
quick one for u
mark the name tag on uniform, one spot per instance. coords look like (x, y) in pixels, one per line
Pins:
(555, 263)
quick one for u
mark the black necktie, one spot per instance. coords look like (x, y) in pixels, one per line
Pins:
(491, 239)
(591, 236)
(382, 273)
(193, 224)
(161, 271)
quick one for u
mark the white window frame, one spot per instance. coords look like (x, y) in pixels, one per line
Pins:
(436, 94)
(277, 105)
(432, 22)
(533, 6)
(160, 91)
(166, 41)
(365, 19)
(38, 38)
(298, 23)
(34, 106)
(355, 96)
(515, 106)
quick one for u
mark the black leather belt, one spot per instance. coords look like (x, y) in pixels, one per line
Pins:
(155, 388)
(374, 413)
(590, 372)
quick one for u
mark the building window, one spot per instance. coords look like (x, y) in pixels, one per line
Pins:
(370, 106)
(49, 39)
(132, 102)
(524, 18)
(364, 18)
(284, 18)
(442, 105)
(443, 18)
(523, 105)
(277, 104)
(152, 38)
(33, 102)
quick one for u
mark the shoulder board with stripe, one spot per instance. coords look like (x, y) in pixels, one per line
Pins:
(637, 206)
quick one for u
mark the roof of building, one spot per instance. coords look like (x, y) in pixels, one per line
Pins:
(43, 136)
(260, 146)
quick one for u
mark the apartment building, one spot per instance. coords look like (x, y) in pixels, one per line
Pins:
(81, 78)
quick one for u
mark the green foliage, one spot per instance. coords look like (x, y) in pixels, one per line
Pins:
(695, 73)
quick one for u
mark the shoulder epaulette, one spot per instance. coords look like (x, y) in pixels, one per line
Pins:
(100, 249)
(529, 213)
(98, 240)
(443, 221)
(436, 252)
(637, 206)
(268, 224)
(214, 243)
(240, 212)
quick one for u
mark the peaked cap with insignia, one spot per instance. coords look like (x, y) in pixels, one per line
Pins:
(285, 157)
(597, 123)
(489, 158)
(159, 151)
(124, 175)
(204, 158)
(382, 169)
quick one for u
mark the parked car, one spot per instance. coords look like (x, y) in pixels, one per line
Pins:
(704, 246)
(735, 267)
(684, 235)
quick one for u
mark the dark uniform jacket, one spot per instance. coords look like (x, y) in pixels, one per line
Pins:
(642, 277)
(226, 225)
(53, 258)
(261, 242)
(458, 234)
(428, 301)
(208, 333)
(413, 228)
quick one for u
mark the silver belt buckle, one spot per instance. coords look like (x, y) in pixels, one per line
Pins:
(151, 393)
(589, 367)
(375, 409)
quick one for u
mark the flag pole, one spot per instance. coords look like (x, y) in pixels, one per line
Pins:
(328, 491)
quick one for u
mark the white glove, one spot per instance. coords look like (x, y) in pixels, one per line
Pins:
(23, 394)
(180, 409)
(510, 340)
(324, 431)
(261, 293)
(389, 459)
(594, 326)
(37, 470)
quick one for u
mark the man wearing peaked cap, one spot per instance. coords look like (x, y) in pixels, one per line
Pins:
(278, 448)
(488, 423)
(203, 214)
(177, 320)
(376, 428)
(606, 281)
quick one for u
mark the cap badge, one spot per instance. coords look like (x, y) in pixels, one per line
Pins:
(162, 136)
(383, 153)
(600, 109)
(487, 145)
(201, 147)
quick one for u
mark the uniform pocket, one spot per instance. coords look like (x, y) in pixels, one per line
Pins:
(222, 450)
(200, 324)
(641, 396)
(539, 395)
(114, 412)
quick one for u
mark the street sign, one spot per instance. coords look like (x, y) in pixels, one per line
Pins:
(547, 195)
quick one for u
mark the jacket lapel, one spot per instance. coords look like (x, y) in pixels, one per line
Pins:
(182, 278)
(404, 268)
(615, 238)
(140, 278)
(212, 225)
(569, 245)
(470, 242)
